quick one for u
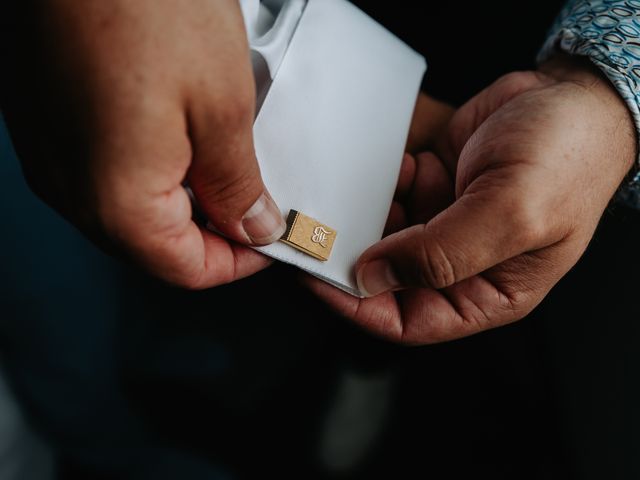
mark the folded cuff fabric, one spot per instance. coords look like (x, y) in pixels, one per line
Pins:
(608, 33)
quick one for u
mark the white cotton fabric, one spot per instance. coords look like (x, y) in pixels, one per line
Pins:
(337, 98)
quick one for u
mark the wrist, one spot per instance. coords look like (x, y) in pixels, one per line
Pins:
(573, 68)
(607, 102)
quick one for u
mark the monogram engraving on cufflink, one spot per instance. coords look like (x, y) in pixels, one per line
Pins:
(309, 236)
(320, 236)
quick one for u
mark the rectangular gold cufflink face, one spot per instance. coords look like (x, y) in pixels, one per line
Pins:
(309, 236)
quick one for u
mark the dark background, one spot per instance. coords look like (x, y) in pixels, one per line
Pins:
(129, 378)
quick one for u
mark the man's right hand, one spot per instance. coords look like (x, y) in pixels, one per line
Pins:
(112, 106)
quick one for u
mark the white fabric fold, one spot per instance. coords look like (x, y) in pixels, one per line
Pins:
(270, 29)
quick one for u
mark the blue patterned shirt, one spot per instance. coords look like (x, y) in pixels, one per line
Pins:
(607, 32)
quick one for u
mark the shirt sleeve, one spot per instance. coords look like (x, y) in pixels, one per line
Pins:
(608, 33)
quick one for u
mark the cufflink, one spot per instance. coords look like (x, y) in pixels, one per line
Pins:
(309, 236)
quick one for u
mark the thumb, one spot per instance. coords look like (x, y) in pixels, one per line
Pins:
(468, 238)
(225, 176)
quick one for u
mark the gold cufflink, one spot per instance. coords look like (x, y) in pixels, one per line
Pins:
(309, 236)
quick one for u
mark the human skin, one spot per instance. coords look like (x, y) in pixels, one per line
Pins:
(113, 105)
(489, 225)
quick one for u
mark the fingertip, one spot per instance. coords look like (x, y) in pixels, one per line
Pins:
(376, 277)
(263, 222)
(426, 156)
(406, 175)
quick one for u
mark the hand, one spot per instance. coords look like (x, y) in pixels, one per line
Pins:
(112, 106)
(430, 119)
(533, 162)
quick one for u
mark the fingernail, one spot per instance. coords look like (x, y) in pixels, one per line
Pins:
(376, 277)
(263, 222)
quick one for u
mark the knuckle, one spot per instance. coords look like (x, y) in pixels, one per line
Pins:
(436, 268)
(112, 209)
(193, 283)
(235, 109)
(516, 302)
(527, 224)
(519, 79)
(517, 306)
(474, 319)
(457, 130)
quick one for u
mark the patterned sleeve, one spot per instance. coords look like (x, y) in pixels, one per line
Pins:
(608, 32)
